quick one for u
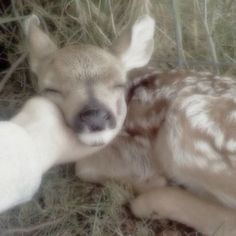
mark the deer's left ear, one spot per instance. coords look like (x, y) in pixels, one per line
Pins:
(135, 48)
(39, 43)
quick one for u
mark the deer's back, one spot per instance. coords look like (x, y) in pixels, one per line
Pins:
(192, 118)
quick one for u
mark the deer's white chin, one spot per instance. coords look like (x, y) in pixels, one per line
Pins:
(104, 137)
(97, 138)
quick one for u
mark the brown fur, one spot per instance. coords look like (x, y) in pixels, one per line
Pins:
(146, 156)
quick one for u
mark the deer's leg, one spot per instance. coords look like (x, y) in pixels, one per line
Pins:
(101, 167)
(109, 164)
(118, 161)
(182, 206)
(126, 160)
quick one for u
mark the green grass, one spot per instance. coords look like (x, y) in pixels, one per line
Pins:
(196, 34)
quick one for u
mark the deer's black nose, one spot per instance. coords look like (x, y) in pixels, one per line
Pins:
(93, 119)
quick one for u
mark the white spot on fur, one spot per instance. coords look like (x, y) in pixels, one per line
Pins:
(143, 95)
(206, 150)
(218, 167)
(196, 108)
(173, 71)
(232, 116)
(227, 80)
(174, 138)
(227, 199)
(204, 86)
(190, 104)
(201, 162)
(166, 91)
(180, 155)
(190, 80)
(205, 73)
(231, 145)
(187, 90)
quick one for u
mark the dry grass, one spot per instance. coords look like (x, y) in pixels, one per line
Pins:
(198, 34)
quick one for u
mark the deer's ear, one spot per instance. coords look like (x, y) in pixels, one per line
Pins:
(39, 43)
(135, 47)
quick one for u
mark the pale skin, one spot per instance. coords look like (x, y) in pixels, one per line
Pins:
(33, 141)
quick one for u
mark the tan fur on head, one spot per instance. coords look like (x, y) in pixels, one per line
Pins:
(87, 82)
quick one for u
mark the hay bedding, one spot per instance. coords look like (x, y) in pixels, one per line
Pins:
(185, 37)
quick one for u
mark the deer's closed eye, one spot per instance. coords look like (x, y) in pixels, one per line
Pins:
(119, 86)
(52, 91)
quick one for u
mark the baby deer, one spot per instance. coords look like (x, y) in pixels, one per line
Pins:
(86, 82)
(180, 126)
(180, 129)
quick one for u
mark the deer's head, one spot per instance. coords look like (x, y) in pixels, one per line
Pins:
(86, 82)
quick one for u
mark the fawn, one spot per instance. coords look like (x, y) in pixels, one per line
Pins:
(174, 130)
